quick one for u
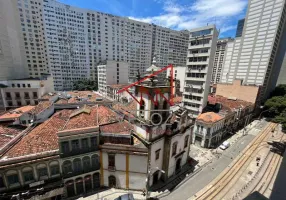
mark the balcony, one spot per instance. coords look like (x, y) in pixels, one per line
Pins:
(83, 171)
(195, 78)
(193, 108)
(78, 151)
(193, 101)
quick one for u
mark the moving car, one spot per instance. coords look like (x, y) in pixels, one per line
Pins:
(125, 197)
(224, 145)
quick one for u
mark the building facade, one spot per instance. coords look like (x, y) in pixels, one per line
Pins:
(11, 47)
(70, 42)
(110, 73)
(219, 59)
(17, 93)
(254, 53)
(200, 59)
(239, 28)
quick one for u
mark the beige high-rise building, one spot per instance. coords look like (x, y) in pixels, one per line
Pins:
(11, 46)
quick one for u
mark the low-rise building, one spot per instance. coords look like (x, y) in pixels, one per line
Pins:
(224, 116)
(112, 93)
(21, 92)
(110, 73)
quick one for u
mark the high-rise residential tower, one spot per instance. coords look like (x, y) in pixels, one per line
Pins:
(200, 59)
(254, 53)
(11, 43)
(69, 42)
(219, 59)
(239, 28)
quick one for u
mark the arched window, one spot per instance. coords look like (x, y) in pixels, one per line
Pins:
(12, 177)
(87, 183)
(70, 188)
(186, 141)
(77, 165)
(111, 181)
(28, 174)
(86, 164)
(95, 162)
(79, 185)
(174, 148)
(67, 167)
(96, 180)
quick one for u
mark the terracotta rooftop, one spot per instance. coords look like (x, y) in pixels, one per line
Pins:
(128, 109)
(209, 117)
(231, 104)
(118, 86)
(177, 100)
(77, 96)
(42, 138)
(90, 116)
(16, 113)
(43, 105)
(122, 127)
(49, 95)
(7, 133)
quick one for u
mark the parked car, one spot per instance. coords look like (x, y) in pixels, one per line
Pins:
(224, 145)
(128, 196)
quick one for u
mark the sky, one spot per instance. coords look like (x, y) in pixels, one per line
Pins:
(174, 14)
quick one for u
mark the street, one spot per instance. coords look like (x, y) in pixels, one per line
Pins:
(207, 174)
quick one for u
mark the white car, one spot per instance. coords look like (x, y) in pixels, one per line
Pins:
(224, 145)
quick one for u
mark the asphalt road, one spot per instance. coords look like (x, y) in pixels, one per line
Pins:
(207, 174)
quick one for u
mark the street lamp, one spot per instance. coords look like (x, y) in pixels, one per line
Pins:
(149, 175)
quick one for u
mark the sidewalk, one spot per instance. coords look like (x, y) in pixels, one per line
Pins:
(113, 193)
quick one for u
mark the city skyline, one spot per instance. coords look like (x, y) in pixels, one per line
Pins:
(177, 15)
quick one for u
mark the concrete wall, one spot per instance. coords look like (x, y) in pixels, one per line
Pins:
(132, 177)
(45, 114)
(243, 92)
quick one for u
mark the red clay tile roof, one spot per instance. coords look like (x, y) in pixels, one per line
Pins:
(16, 113)
(96, 116)
(231, 104)
(177, 100)
(118, 86)
(7, 133)
(42, 138)
(88, 95)
(209, 117)
(122, 127)
(43, 105)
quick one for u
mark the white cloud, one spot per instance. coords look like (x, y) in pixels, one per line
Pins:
(224, 13)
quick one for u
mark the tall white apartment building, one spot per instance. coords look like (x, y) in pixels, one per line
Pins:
(11, 46)
(69, 42)
(219, 59)
(112, 72)
(252, 55)
(201, 50)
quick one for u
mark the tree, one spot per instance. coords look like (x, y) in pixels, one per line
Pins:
(85, 84)
(276, 106)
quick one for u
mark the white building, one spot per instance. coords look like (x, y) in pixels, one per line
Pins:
(20, 92)
(220, 58)
(110, 73)
(201, 50)
(69, 42)
(253, 54)
(11, 47)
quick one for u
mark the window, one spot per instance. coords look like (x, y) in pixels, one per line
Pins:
(86, 163)
(17, 94)
(65, 147)
(24, 85)
(157, 154)
(13, 85)
(8, 95)
(42, 172)
(12, 179)
(27, 95)
(18, 85)
(28, 102)
(77, 165)
(2, 182)
(84, 143)
(55, 170)
(28, 176)
(67, 167)
(35, 94)
(75, 144)
(29, 85)
(93, 141)
(19, 103)
(10, 103)
(174, 148)
(186, 141)
(111, 160)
